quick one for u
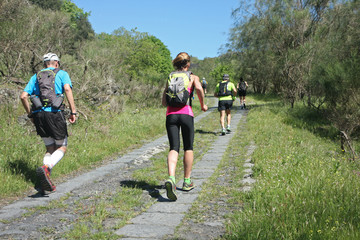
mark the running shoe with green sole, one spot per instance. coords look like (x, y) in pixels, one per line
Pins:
(170, 190)
(187, 186)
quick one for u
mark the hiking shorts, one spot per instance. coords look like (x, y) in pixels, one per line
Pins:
(225, 105)
(242, 93)
(175, 122)
(51, 125)
(49, 141)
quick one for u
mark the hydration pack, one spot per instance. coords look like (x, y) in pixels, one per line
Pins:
(204, 83)
(177, 94)
(47, 97)
(223, 91)
(242, 86)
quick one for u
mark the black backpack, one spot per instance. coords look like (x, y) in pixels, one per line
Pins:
(242, 86)
(223, 89)
(47, 97)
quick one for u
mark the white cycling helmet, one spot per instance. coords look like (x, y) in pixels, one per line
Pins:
(51, 57)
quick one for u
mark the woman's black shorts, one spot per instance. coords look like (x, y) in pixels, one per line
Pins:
(175, 122)
(242, 93)
(51, 124)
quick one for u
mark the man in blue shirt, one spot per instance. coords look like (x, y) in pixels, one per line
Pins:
(49, 121)
(204, 85)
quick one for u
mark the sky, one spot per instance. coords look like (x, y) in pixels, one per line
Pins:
(198, 27)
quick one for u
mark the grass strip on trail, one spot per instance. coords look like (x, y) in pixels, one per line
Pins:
(141, 186)
(207, 216)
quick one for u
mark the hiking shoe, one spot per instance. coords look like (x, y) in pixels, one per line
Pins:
(45, 182)
(43, 192)
(187, 186)
(244, 106)
(170, 190)
(223, 132)
(228, 130)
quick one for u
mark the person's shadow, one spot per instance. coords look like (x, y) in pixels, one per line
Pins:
(153, 190)
(22, 167)
(205, 132)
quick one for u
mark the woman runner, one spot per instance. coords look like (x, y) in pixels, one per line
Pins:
(181, 118)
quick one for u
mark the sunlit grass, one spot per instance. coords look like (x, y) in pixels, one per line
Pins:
(306, 189)
(123, 206)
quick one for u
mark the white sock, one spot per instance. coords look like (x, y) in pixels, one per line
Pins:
(55, 158)
(47, 159)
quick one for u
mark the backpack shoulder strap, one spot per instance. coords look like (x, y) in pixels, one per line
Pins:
(56, 70)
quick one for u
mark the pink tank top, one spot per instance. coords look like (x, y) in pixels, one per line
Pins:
(187, 109)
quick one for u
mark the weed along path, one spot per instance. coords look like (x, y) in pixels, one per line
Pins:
(99, 204)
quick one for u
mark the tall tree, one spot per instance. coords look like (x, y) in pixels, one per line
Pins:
(305, 50)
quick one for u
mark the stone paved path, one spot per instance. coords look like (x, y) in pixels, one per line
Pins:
(162, 218)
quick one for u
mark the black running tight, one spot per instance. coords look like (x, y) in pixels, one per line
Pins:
(175, 122)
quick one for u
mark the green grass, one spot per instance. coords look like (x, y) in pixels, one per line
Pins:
(121, 206)
(260, 99)
(107, 137)
(306, 188)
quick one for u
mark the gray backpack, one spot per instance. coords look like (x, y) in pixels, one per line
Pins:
(177, 94)
(47, 97)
